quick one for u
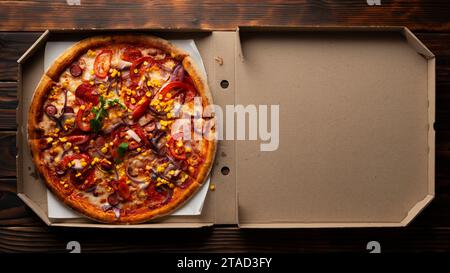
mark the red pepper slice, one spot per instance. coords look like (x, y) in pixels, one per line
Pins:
(175, 151)
(140, 132)
(140, 108)
(176, 85)
(84, 125)
(78, 139)
(86, 92)
(123, 189)
(136, 68)
(102, 63)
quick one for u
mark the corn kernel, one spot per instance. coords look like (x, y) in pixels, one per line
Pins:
(135, 71)
(66, 186)
(138, 149)
(82, 107)
(104, 150)
(91, 53)
(212, 187)
(92, 72)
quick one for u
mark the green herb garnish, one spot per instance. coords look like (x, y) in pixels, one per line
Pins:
(100, 113)
(121, 150)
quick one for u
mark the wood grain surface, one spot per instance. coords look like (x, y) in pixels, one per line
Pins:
(21, 22)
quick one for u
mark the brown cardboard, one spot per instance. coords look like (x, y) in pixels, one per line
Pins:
(356, 127)
(356, 142)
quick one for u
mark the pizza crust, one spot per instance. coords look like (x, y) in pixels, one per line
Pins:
(68, 196)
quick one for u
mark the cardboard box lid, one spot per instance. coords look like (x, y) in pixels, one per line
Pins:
(356, 114)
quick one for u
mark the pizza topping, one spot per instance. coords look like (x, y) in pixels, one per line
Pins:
(99, 113)
(135, 170)
(113, 199)
(175, 89)
(123, 189)
(140, 108)
(131, 54)
(84, 116)
(177, 149)
(86, 93)
(102, 63)
(133, 135)
(76, 70)
(51, 110)
(158, 196)
(177, 74)
(78, 139)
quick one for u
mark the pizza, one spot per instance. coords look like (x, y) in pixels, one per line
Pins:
(118, 128)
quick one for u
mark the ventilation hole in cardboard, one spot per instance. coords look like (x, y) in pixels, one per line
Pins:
(224, 84)
(225, 170)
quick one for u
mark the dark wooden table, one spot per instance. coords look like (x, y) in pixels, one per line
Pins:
(21, 22)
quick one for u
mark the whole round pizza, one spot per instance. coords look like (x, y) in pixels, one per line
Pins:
(118, 129)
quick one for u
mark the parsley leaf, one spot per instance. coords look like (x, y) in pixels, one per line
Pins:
(116, 102)
(96, 125)
(123, 147)
(100, 113)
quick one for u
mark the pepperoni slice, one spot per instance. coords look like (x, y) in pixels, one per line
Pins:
(130, 54)
(113, 199)
(50, 110)
(75, 70)
(86, 92)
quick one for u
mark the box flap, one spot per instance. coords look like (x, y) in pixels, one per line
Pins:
(355, 128)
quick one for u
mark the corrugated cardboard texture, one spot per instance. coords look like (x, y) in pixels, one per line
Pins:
(353, 128)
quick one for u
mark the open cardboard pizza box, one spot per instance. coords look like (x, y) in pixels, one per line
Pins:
(356, 138)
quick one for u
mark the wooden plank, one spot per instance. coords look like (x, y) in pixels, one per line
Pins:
(221, 239)
(8, 154)
(8, 104)
(12, 46)
(423, 15)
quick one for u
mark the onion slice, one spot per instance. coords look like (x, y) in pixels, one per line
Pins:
(133, 135)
